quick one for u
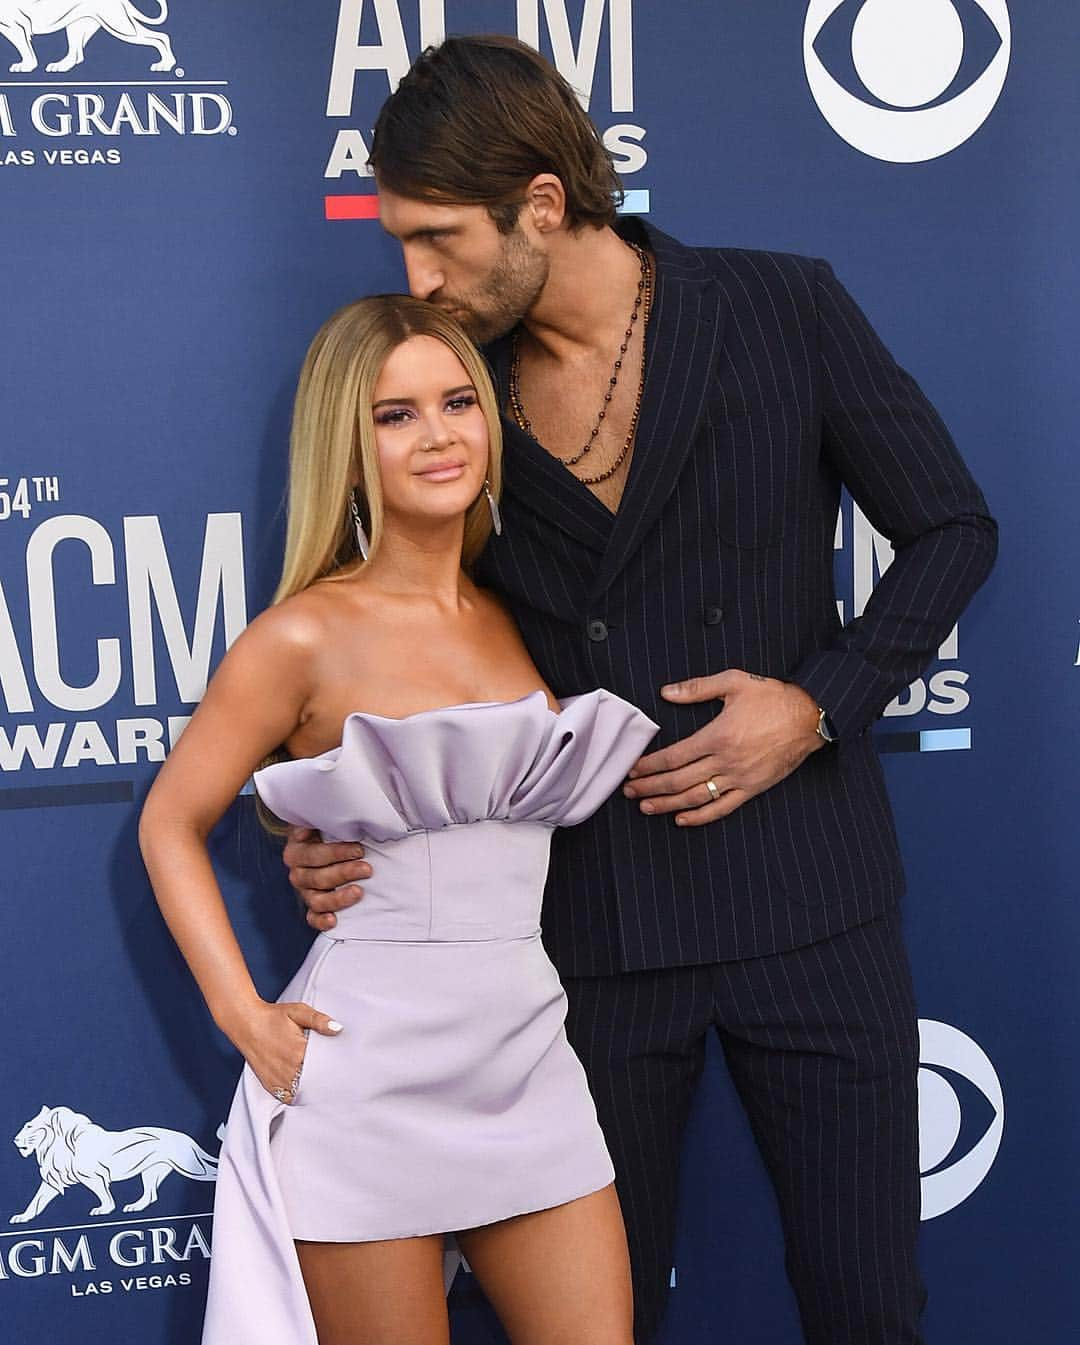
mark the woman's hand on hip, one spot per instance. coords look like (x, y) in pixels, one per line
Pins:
(273, 1040)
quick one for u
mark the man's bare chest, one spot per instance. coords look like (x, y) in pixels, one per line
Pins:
(585, 416)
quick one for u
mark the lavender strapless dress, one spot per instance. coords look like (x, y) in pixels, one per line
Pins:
(452, 1097)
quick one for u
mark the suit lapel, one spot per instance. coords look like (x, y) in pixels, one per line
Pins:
(685, 332)
(683, 337)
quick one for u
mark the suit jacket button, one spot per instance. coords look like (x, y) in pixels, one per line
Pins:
(713, 616)
(596, 630)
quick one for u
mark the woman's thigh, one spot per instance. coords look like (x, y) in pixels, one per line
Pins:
(559, 1276)
(377, 1293)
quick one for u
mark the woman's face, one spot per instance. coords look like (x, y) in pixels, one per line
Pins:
(430, 432)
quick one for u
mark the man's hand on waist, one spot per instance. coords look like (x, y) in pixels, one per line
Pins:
(766, 729)
(325, 876)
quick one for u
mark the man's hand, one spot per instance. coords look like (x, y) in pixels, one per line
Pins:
(320, 872)
(765, 730)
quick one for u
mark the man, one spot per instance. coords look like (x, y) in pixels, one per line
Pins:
(679, 424)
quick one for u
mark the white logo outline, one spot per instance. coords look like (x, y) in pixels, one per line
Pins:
(23, 20)
(943, 1188)
(898, 135)
(72, 1151)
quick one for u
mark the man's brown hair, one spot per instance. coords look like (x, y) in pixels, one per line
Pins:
(477, 118)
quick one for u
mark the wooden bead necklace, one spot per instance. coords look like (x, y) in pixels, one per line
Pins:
(642, 308)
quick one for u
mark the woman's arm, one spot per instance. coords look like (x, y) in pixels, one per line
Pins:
(254, 702)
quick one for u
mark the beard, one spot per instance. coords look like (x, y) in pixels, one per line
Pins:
(496, 305)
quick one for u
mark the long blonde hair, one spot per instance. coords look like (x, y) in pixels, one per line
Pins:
(333, 436)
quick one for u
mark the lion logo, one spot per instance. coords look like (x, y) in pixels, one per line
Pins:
(22, 20)
(71, 1151)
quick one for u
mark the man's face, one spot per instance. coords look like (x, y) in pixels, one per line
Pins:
(456, 258)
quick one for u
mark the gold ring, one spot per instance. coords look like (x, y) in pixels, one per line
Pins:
(710, 785)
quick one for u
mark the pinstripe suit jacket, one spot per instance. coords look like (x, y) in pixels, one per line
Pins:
(766, 390)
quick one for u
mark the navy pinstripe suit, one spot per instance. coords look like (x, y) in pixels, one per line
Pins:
(766, 390)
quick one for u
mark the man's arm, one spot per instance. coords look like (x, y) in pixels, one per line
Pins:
(891, 450)
(897, 459)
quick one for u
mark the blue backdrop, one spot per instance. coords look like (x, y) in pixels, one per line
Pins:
(175, 235)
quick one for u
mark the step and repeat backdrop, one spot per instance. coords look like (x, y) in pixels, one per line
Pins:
(183, 198)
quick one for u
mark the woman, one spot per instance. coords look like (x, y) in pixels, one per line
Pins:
(436, 1091)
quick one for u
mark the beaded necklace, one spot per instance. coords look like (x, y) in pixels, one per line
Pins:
(642, 307)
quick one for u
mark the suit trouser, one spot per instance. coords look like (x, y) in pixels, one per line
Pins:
(822, 1045)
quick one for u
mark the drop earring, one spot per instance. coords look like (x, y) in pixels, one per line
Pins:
(362, 543)
(493, 505)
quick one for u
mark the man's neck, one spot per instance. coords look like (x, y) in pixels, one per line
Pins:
(589, 292)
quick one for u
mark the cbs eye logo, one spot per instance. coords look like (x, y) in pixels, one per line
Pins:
(948, 1179)
(907, 55)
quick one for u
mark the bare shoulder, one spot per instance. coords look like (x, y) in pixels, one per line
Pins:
(288, 628)
(294, 634)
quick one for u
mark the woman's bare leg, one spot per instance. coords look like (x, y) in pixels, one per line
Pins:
(377, 1293)
(559, 1276)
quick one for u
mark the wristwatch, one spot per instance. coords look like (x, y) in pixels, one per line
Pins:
(825, 730)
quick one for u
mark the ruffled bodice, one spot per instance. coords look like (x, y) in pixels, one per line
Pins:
(430, 797)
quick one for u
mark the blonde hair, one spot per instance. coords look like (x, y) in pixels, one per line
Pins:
(333, 436)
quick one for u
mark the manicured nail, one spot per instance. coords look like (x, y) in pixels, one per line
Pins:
(334, 1026)
(680, 821)
(673, 690)
(648, 808)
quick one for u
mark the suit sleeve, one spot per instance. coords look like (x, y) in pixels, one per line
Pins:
(897, 459)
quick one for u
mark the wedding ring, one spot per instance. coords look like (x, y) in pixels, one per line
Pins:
(710, 785)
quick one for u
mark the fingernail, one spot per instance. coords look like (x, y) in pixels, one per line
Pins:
(358, 854)
(627, 791)
(673, 690)
(680, 821)
(334, 1026)
(647, 808)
